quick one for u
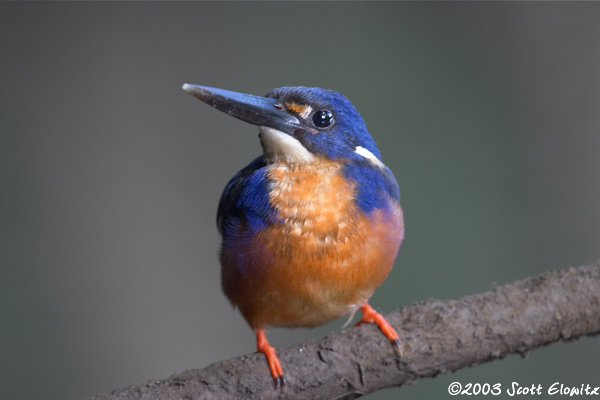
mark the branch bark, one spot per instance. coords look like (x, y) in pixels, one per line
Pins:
(438, 337)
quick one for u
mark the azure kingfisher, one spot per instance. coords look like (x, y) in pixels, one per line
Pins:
(312, 226)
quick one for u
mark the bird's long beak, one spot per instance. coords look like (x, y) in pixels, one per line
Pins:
(261, 111)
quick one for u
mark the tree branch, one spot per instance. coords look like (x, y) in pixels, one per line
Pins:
(437, 336)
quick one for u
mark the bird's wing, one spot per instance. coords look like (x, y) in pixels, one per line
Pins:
(245, 200)
(375, 185)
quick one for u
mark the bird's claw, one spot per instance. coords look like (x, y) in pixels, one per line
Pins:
(397, 346)
(279, 382)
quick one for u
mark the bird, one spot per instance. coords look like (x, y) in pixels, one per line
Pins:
(311, 227)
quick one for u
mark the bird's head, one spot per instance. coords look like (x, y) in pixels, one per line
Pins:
(298, 124)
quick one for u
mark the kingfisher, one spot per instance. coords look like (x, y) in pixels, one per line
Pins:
(312, 226)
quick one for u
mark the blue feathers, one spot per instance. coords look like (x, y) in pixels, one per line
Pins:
(245, 200)
(375, 186)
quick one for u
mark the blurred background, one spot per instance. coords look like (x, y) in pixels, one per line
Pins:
(110, 174)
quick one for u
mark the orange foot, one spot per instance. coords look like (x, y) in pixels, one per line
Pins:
(274, 365)
(371, 316)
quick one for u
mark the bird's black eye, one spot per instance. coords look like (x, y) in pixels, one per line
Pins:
(323, 118)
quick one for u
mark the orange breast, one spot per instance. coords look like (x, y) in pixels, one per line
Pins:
(323, 261)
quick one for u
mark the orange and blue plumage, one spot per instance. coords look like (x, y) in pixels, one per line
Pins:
(311, 227)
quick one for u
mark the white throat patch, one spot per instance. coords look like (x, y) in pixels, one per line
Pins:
(369, 156)
(278, 146)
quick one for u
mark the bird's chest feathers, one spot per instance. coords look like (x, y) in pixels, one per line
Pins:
(314, 204)
(320, 255)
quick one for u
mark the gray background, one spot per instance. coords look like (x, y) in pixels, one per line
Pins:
(110, 174)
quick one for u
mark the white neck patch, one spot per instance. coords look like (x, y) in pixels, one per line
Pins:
(278, 146)
(369, 156)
